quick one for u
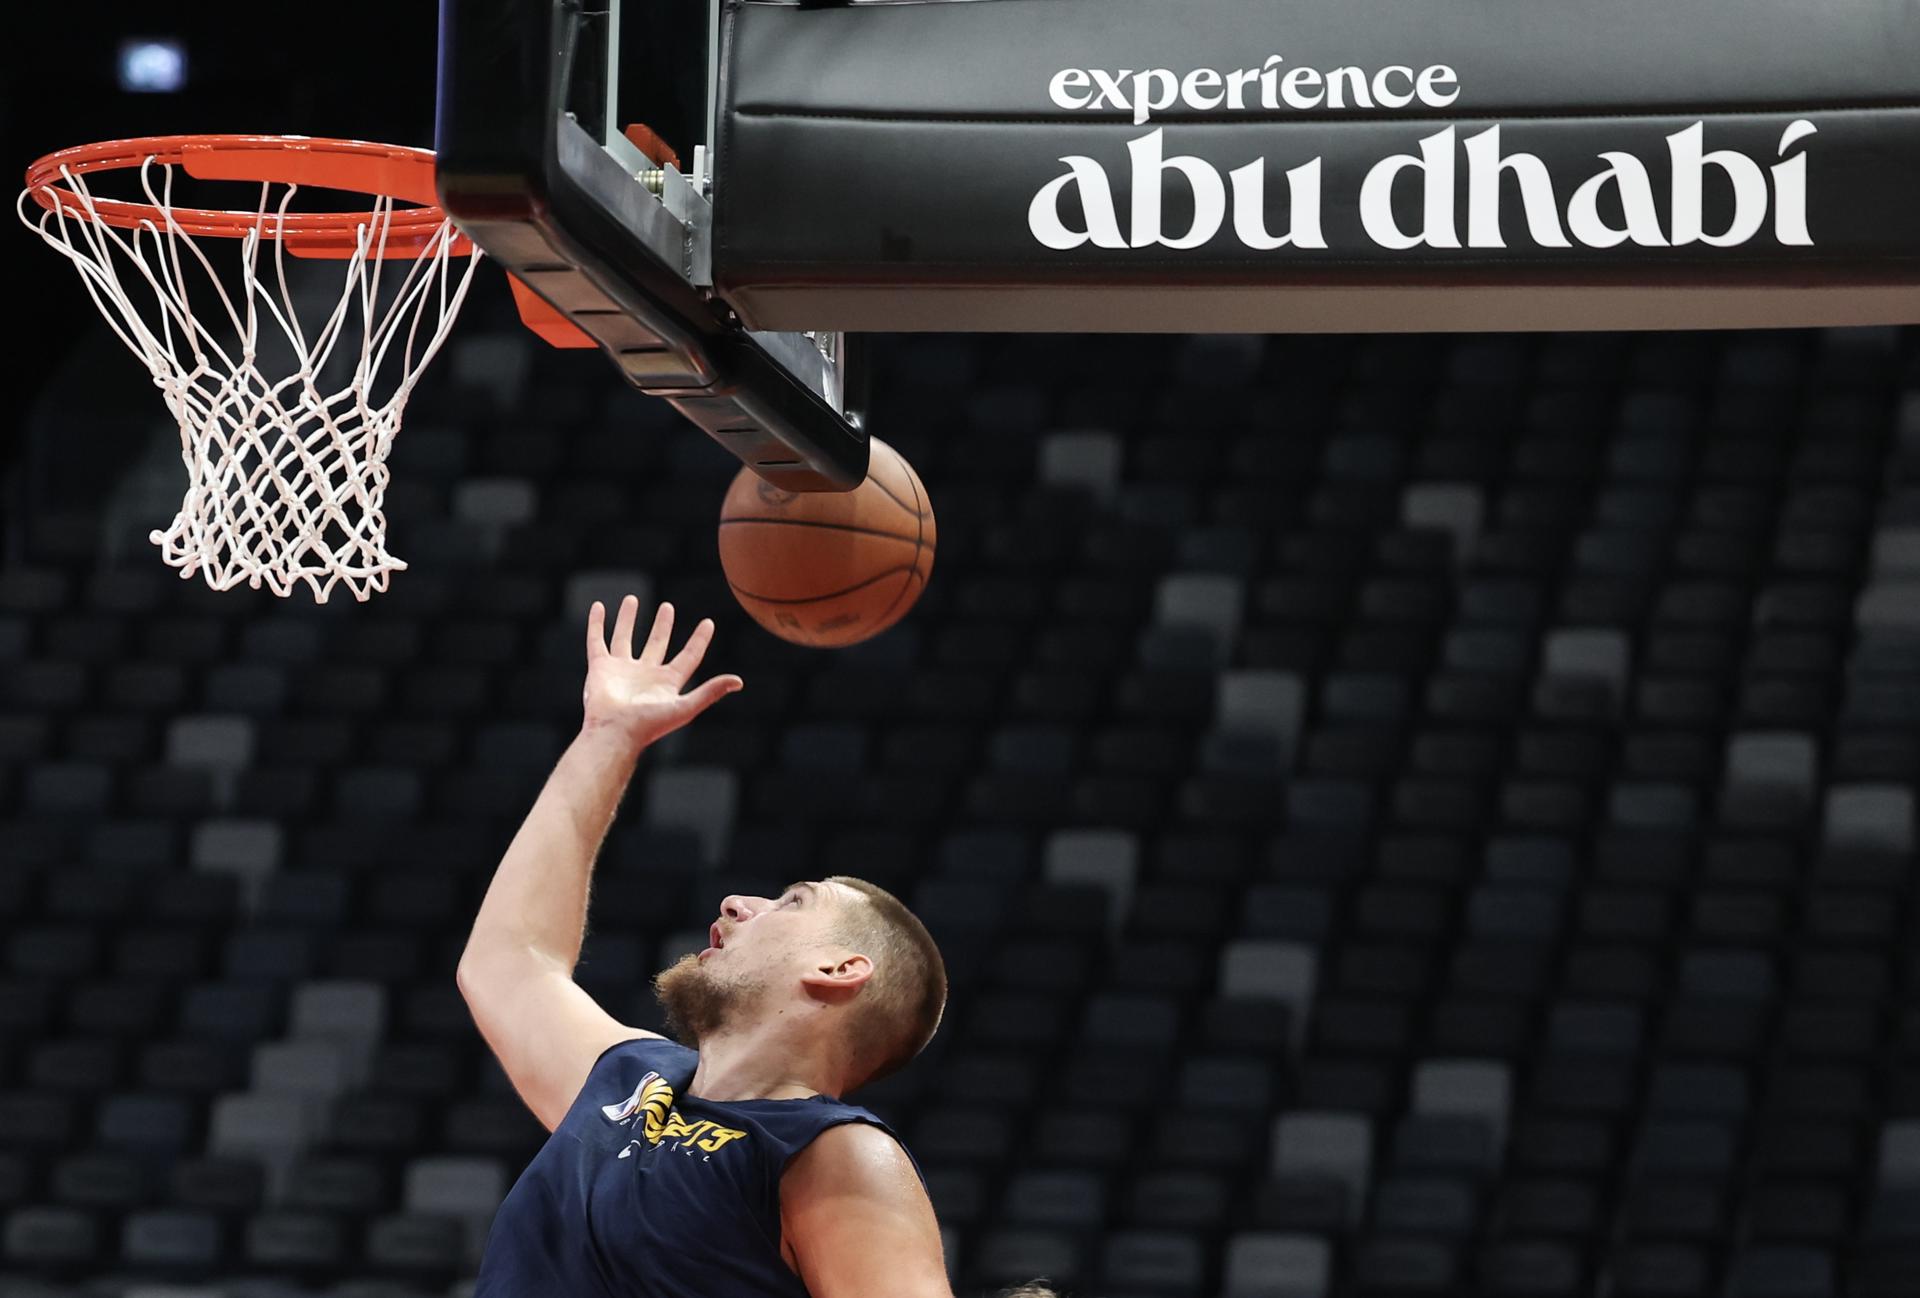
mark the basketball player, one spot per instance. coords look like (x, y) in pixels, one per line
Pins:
(727, 1166)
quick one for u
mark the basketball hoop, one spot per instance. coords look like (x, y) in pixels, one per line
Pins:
(285, 481)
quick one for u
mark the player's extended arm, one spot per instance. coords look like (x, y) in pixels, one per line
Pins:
(855, 1220)
(517, 970)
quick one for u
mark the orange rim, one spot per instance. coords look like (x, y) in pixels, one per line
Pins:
(386, 170)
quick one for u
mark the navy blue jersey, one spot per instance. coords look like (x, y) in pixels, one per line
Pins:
(644, 1191)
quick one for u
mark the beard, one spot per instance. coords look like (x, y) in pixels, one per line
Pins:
(698, 1001)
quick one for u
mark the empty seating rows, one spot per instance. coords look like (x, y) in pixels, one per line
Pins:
(1403, 816)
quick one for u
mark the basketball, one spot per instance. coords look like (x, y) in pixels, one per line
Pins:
(828, 569)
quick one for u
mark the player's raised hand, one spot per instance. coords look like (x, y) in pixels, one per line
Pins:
(644, 696)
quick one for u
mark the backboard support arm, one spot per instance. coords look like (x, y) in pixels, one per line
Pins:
(625, 265)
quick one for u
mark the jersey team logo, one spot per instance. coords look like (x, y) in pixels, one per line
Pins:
(652, 1105)
(653, 1098)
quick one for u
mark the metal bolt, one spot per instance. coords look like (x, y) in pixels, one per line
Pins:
(655, 180)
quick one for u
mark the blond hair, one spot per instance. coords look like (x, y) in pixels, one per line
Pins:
(901, 1006)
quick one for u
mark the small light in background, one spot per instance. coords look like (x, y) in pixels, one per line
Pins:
(149, 66)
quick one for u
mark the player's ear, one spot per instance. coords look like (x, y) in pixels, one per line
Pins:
(838, 975)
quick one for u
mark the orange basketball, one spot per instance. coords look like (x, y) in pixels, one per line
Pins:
(829, 568)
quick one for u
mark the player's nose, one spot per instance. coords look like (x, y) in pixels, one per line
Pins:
(739, 909)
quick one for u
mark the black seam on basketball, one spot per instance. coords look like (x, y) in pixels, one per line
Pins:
(905, 586)
(888, 494)
(832, 527)
(814, 599)
(919, 547)
(919, 518)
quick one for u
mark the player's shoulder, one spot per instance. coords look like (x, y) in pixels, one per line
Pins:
(641, 1045)
(853, 1154)
(860, 1140)
(631, 1070)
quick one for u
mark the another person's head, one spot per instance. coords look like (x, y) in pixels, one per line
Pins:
(842, 951)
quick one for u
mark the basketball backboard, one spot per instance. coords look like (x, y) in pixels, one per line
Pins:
(1118, 166)
(607, 229)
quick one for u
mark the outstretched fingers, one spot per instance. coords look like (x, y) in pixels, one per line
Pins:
(596, 631)
(623, 627)
(687, 661)
(655, 652)
(708, 693)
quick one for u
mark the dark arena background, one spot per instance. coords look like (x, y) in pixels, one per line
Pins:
(1406, 814)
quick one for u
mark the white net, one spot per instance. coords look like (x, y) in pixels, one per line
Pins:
(286, 477)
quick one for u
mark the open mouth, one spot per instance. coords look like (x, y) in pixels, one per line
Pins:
(716, 940)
